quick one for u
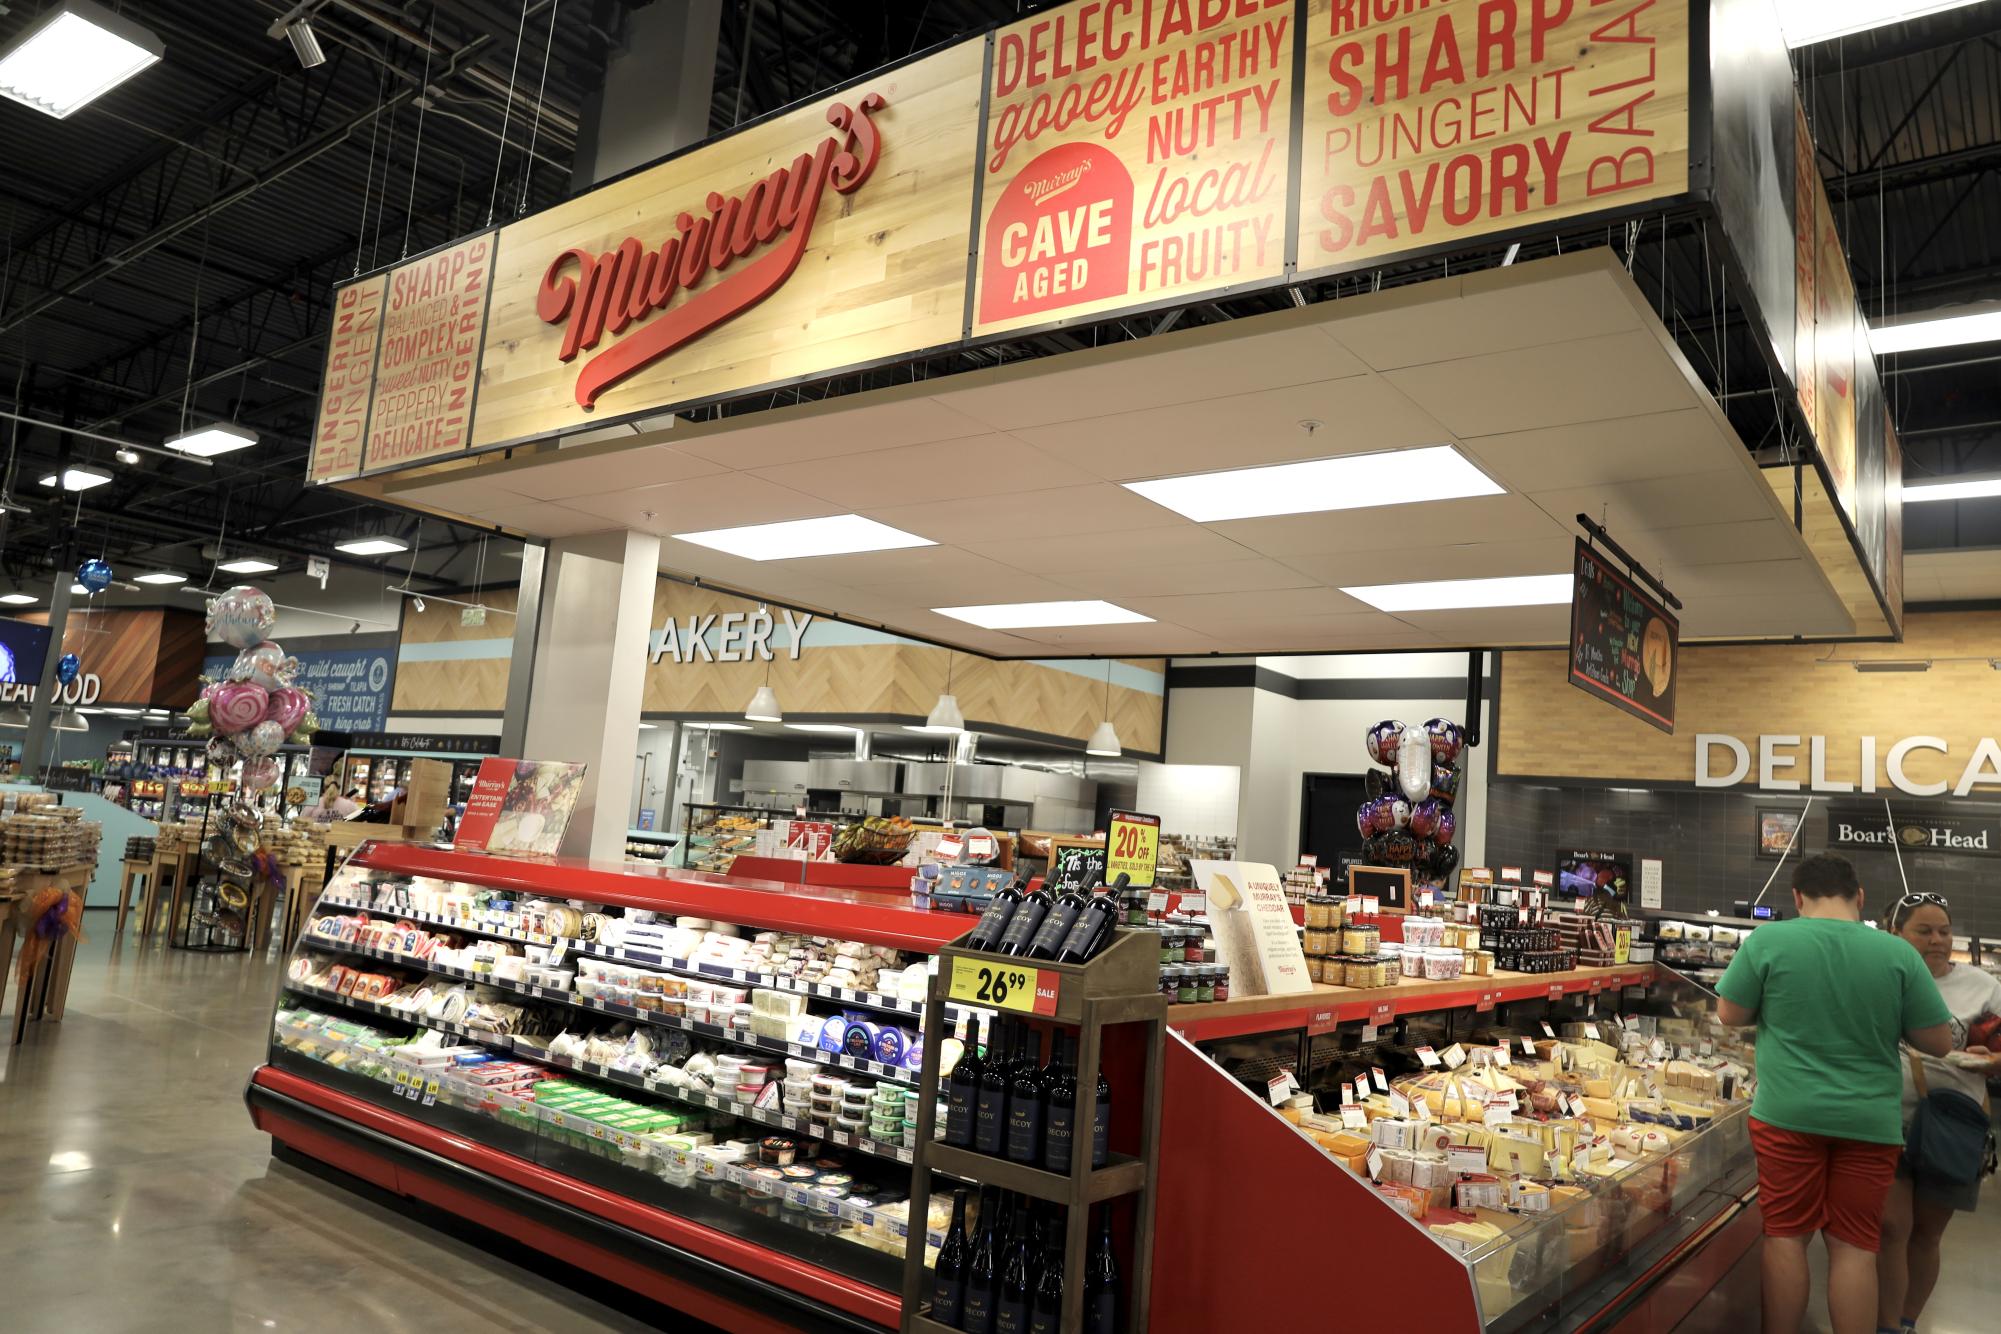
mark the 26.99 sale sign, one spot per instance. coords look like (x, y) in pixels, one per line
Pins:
(1134, 151)
(1431, 121)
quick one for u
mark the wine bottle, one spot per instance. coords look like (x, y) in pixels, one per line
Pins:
(963, 1088)
(1011, 1308)
(1045, 1308)
(948, 1278)
(990, 1103)
(1060, 1117)
(1101, 1281)
(1101, 1122)
(987, 933)
(976, 1313)
(1063, 914)
(1025, 1104)
(1021, 927)
(1092, 931)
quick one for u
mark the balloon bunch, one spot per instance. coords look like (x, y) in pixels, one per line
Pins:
(254, 709)
(1408, 819)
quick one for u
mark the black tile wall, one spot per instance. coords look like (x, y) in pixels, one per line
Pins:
(1707, 843)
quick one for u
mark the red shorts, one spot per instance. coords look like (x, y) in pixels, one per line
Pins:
(1812, 1183)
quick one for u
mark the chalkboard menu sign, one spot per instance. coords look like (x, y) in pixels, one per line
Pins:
(1623, 643)
(1075, 865)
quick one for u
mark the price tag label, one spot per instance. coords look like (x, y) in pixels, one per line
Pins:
(1556, 991)
(1371, 905)
(1399, 1104)
(1353, 1117)
(1454, 1057)
(1005, 986)
(1280, 1087)
(1591, 1031)
(1427, 1058)
(1485, 1004)
(558, 950)
(1375, 1163)
(1370, 1033)
(1528, 1046)
(1501, 1056)
(1497, 1114)
(1657, 1049)
(1322, 1021)
(1597, 985)
(1425, 898)
(1156, 902)
(1381, 1080)
(430, 1090)
(1132, 846)
(1547, 1031)
(1361, 1088)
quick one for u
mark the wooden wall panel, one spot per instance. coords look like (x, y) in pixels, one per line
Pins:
(884, 272)
(464, 685)
(141, 655)
(1549, 728)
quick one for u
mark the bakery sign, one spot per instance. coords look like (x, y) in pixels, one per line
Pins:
(730, 636)
(1800, 763)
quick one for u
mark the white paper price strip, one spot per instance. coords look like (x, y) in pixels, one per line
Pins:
(1354, 1118)
(1281, 1086)
(1427, 1058)
(1005, 986)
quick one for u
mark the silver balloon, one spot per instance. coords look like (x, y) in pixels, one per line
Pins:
(1414, 764)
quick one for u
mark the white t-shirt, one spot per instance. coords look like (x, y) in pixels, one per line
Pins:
(1969, 992)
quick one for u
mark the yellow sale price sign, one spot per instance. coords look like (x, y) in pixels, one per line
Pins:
(1132, 845)
(1005, 986)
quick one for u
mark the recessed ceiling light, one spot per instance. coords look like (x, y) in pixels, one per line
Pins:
(821, 727)
(837, 535)
(372, 546)
(18, 599)
(248, 565)
(1805, 22)
(1525, 590)
(75, 52)
(1976, 488)
(1950, 327)
(77, 479)
(215, 438)
(1352, 481)
(1023, 615)
(163, 577)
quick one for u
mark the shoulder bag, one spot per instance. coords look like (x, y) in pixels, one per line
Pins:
(1951, 1140)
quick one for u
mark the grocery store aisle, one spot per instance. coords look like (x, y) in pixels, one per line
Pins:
(135, 1195)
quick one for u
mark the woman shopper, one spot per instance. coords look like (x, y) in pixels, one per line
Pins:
(1916, 1214)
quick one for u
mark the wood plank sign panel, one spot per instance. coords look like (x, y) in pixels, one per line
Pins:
(349, 381)
(1428, 124)
(1834, 334)
(1133, 154)
(432, 316)
(834, 235)
(1806, 273)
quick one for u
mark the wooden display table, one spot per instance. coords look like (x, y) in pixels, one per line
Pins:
(42, 993)
(133, 868)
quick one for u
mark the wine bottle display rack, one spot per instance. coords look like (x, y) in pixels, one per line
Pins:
(1117, 986)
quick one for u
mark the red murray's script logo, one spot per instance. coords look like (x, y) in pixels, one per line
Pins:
(628, 284)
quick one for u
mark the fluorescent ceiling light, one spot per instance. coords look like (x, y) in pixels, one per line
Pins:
(248, 565)
(1023, 615)
(1352, 481)
(78, 479)
(1977, 488)
(79, 590)
(216, 438)
(18, 599)
(1949, 327)
(1525, 590)
(1893, 665)
(372, 546)
(837, 535)
(716, 727)
(821, 727)
(163, 577)
(75, 52)
(1808, 21)
(646, 727)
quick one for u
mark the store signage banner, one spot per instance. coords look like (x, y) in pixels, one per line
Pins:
(1133, 154)
(1873, 827)
(350, 687)
(427, 360)
(520, 806)
(1428, 125)
(1253, 926)
(1726, 761)
(1623, 642)
(348, 385)
(1132, 848)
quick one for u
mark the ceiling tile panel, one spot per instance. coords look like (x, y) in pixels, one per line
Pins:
(1394, 527)
(595, 471)
(1661, 444)
(1100, 507)
(1494, 311)
(946, 470)
(1208, 611)
(1387, 565)
(1592, 379)
(1184, 544)
(726, 500)
(851, 426)
(1224, 576)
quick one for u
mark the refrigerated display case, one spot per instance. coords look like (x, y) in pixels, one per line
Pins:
(432, 1035)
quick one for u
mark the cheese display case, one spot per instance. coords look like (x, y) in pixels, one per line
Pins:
(706, 1086)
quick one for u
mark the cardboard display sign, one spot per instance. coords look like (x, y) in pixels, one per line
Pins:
(1255, 933)
(1132, 848)
(520, 806)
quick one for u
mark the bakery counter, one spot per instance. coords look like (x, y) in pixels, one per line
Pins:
(1321, 1009)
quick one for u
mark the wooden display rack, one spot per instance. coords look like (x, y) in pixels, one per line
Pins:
(1120, 986)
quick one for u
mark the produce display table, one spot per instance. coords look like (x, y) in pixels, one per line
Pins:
(133, 868)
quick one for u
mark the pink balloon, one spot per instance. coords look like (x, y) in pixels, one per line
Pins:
(288, 707)
(259, 774)
(237, 705)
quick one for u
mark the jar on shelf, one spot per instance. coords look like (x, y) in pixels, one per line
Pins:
(1359, 940)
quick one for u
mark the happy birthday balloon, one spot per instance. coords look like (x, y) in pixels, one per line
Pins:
(1413, 759)
(94, 575)
(1382, 741)
(1447, 740)
(237, 705)
(241, 616)
(67, 666)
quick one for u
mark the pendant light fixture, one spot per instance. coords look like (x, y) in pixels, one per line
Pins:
(764, 704)
(1105, 741)
(945, 719)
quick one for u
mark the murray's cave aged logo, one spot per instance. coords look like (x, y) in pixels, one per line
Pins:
(633, 285)
(1061, 234)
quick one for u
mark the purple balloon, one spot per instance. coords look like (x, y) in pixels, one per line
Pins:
(1382, 815)
(1444, 783)
(1365, 818)
(1448, 825)
(1447, 740)
(1382, 741)
(1424, 817)
(1399, 812)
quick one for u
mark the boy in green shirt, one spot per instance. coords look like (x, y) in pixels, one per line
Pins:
(1831, 999)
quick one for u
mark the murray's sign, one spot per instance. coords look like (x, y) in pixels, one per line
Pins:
(1800, 764)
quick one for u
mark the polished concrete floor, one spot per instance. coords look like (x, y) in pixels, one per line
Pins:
(135, 1196)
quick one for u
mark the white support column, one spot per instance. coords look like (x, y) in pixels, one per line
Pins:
(590, 674)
